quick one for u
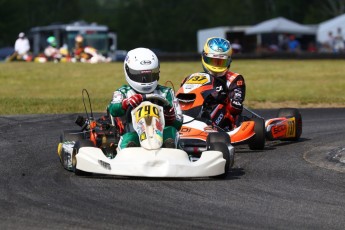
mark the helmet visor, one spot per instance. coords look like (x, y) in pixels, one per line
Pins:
(216, 60)
(143, 76)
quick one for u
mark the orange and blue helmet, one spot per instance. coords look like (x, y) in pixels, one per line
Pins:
(216, 56)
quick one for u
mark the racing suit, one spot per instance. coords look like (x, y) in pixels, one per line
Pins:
(231, 90)
(170, 130)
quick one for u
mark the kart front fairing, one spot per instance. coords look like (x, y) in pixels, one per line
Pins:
(150, 160)
(138, 161)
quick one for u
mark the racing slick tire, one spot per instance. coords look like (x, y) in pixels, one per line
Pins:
(224, 138)
(257, 142)
(292, 112)
(222, 147)
(218, 137)
(79, 144)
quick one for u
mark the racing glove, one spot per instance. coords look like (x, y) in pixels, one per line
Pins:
(235, 107)
(134, 101)
(169, 115)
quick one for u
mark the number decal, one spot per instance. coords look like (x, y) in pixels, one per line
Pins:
(198, 80)
(146, 111)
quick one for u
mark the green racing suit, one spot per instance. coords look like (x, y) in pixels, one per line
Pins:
(116, 110)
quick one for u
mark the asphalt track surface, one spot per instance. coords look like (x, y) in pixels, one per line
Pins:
(286, 186)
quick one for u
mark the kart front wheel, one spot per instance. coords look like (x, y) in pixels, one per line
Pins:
(222, 147)
(223, 138)
(218, 137)
(258, 141)
(77, 146)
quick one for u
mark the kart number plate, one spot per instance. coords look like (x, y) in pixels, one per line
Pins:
(147, 111)
(198, 80)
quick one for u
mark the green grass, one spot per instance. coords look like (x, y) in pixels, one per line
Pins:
(31, 88)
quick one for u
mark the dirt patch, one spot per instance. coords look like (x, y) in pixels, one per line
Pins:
(330, 157)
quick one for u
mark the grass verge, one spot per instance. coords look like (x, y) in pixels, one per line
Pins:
(31, 88)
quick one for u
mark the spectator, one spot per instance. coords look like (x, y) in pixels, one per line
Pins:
(21, 48)
(22, 45)
(283, 40)
(293, 44)
(329, 45)
(339, 45)
(236, 47)
(78, 51)
(311, 47)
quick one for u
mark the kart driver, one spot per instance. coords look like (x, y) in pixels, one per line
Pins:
(216, 60)
(141, 67)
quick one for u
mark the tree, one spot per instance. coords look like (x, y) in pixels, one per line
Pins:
(167, 25)
(21, 15)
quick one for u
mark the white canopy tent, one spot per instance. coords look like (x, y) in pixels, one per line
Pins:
(331, 25)
(280, 25)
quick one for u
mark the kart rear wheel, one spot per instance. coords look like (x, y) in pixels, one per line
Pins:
(222, 147)
(292, 112)
(79, 144)
(258, 141)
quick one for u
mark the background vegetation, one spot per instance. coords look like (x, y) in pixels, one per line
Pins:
(31, 88)
(168, 25)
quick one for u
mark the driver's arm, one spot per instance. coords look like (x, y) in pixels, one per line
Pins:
(115, 106)
(237, 95)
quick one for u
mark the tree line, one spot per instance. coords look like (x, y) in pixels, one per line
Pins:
(167, 25)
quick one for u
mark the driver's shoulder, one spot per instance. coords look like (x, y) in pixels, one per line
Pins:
(124, 89)
(163, 89)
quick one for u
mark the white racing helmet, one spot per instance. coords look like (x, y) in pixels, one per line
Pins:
(141, 68)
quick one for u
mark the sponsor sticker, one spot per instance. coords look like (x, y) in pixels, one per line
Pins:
(145, 62)
(240, 83)
(117, 97)
(143, 136)
(291, 130)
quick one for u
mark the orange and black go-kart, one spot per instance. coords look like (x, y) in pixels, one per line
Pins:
(204, 112)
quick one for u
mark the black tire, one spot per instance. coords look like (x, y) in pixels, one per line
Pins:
(223, 138)
(71, 135)
(218, 137)
(292, 112)
(77, 146)
(222, 147)
(257, 142)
